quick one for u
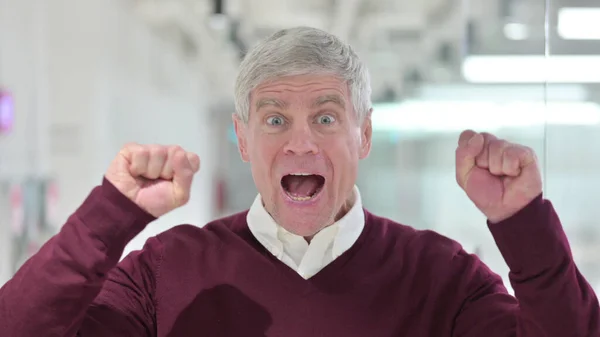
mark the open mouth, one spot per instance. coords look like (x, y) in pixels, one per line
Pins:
(302, 186)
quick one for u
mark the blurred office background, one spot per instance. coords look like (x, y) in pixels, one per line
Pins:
(78, 79)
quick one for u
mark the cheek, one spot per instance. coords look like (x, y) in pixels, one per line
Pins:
(264, 152)
(342, 151)
(353, 144)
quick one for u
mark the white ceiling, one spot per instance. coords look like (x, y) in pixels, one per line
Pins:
(399, 39)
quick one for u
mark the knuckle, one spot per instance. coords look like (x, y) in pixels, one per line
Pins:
(499, 146)
(156, 149)
(530, 153)
(498, 142)
(162, 151)
(528, 150)
(142, 151)
(156, 152)
(175, 148)
(489, 138)
(465, 136)
(172, 150)
(520, 149)
(175, 151)
(128, 149)
(130, 146)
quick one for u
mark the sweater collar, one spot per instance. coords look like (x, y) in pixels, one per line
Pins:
(341, 235)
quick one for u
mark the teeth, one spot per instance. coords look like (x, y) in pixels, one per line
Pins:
(300, 198)
(301, 174)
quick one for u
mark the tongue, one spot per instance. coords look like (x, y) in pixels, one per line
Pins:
(302, 186)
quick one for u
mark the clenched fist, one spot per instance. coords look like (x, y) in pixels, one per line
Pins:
(499, 177)
(157, 178)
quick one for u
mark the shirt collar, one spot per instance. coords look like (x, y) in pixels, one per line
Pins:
(343, 232)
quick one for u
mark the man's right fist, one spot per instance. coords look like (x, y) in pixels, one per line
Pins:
(157, 178)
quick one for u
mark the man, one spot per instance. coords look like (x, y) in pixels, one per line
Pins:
(306, 259)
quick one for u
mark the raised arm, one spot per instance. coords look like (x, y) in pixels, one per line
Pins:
(51, 293)
(552, 297)
(71, 286)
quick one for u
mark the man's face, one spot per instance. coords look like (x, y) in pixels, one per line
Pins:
(303, 142)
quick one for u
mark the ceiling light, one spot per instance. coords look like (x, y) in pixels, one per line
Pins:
(453, 116)
(532, 69)
(579, 23)
(516, 31)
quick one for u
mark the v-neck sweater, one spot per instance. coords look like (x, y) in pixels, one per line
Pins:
(219, 280)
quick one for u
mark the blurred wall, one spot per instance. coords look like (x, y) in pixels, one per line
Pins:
(88, 77)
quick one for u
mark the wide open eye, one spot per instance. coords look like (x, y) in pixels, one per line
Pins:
(275, 120)
(325, 119)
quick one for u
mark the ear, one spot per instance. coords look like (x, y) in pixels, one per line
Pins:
(240, 132)
(366, 131)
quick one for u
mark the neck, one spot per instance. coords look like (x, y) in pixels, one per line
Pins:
(346, 206)
(344, 209)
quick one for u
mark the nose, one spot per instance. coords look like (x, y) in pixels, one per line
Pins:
(301, 140)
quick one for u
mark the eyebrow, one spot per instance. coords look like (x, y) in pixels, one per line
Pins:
(270, 102)
(336, 99)
(322, 100)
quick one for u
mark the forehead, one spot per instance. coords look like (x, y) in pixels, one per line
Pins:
(316, 88)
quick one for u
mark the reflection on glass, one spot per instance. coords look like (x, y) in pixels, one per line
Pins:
(482, 65)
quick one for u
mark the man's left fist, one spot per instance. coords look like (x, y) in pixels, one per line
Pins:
(499, 177)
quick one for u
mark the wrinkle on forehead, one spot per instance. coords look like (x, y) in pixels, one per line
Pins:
(313, 91)
(273, 92)
(302, 83)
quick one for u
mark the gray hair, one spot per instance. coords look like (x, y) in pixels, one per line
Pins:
(302, 51)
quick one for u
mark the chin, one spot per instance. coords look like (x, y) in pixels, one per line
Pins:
(304, 222)
(303, 228)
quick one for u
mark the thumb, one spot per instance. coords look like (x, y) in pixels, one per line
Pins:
(184, 168)
(194, 161)
(470, 145)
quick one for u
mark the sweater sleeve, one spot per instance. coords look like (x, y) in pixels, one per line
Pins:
(53, 292)
(552, 297)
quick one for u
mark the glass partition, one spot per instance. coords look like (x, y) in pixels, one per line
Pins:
(572, 150)
(523, 70)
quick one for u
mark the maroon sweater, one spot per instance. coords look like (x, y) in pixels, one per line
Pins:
(219, 281)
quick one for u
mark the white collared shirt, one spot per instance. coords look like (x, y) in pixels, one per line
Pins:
(293, 250)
